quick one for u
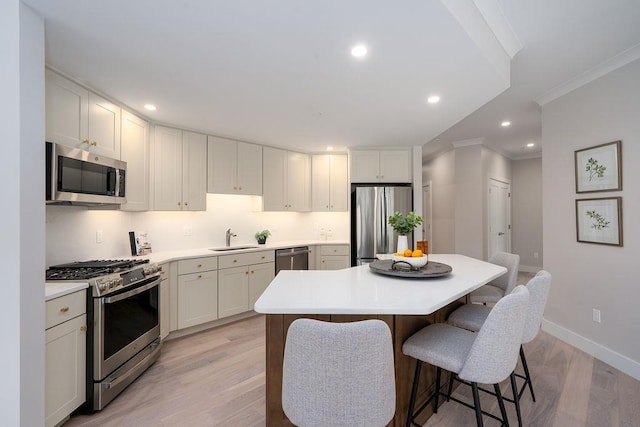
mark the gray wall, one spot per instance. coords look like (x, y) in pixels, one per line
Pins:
(440, 171)
(22, 217)
(526, 209)
(459, 188)
(587, 276)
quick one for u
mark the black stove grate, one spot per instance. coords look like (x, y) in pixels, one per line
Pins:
(89, 269)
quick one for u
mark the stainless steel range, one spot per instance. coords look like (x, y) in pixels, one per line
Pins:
(123, 309)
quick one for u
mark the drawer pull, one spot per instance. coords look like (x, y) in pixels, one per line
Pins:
(199, 265)
(64, 309)
(252, 271)
(83, 328)
(235, 260)
(199, 276)
(246, 272)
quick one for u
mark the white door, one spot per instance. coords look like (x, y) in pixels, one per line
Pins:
(499, 217)
(426, 210)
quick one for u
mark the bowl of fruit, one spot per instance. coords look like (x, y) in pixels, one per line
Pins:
(416, 259)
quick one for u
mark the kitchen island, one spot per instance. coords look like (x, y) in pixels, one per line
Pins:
(356, 293)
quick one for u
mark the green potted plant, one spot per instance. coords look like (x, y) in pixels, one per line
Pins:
(403, 225)
(261, 236)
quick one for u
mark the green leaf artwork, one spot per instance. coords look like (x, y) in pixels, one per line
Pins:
(594, 169)
(599, 221)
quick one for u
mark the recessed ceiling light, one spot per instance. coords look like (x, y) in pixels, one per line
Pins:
(505, 124)
(531, 144)
(433, 99)
(359, 51)
(329, 148)
(150, 107)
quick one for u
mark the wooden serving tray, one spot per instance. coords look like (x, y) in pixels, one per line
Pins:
(432, 269)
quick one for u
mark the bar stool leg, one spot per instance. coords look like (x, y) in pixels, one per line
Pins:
(414, 392)
(503, 411)
(526, 373)
(452, 377)
(437, 391)
(476, 402)
(516, 398)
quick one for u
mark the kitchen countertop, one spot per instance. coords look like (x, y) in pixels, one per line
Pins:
(167, 256)
(57, 289)
(357, 290)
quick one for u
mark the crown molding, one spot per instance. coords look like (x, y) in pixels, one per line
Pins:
(611, 64)
(468, 142)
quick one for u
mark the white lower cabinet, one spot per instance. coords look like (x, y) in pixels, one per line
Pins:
(65, 356)
(197, 291)
(242, 278)
(333, 257)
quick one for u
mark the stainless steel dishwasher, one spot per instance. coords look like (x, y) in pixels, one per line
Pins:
(292, 258)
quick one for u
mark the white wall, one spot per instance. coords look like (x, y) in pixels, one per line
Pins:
(71, 231)
(587, 276)
(22, 217)
(526, 208)
(441, 172)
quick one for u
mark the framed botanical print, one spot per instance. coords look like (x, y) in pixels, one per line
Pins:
(599, 221)
(599, 168)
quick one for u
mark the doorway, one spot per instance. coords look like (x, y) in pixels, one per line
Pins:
(499, 216)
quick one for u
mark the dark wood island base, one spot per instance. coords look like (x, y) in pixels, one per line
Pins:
(402, 327)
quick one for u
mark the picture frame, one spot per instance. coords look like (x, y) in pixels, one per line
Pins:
(599, 221)
(599, 168)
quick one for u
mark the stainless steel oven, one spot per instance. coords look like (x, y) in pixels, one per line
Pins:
(124, 329)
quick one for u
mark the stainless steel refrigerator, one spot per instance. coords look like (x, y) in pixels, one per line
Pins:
(371, 207)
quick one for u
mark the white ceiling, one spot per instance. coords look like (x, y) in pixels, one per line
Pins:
(280, 72)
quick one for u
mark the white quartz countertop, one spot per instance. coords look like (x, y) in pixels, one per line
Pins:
(57, 289)
(167, 256)
(357, 290)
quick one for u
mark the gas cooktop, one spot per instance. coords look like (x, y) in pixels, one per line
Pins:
(83, 270)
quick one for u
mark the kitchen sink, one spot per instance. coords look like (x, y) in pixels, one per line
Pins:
(232, 248)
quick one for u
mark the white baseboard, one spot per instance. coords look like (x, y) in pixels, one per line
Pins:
(617, 360)
(529, 269)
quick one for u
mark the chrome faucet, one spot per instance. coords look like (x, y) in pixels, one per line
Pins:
(229, 236)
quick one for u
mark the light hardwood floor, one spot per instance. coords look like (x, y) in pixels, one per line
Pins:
(217, 377)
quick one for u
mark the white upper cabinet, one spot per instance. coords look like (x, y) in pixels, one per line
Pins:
(381, 166)
(81, 119)
(194, 171)
(329, 183)
(286, 180)
(179, 170)
(234, 167)
(134, 150)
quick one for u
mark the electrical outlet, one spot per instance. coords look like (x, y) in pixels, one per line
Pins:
(99, 236)
(188, 231)
(596, 315)
(535, 255)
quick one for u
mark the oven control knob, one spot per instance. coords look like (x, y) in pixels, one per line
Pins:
(118, 282)
(150, 270)
(110, 283)
(102, 286)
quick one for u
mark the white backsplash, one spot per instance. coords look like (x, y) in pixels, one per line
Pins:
(71, 231)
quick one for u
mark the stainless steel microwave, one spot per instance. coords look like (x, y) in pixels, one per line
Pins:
(79, 177)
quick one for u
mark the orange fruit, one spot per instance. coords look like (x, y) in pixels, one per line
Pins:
(407, 252)
(417, 253)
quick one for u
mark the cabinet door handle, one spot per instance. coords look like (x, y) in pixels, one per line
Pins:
(186, 203)
(199, 265)
(199, 276)
(246, 272)
(178, 203)
(94, 143)
(235, 260)
(252, 271)
(85, 141)
(64, 309)
(83, 328)
(262, 257)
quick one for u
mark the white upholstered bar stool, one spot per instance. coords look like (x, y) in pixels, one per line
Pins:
(486, 357)
(338, 374)
(500, 286)
(473, 316)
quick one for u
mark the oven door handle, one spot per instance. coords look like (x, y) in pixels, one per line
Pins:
(136, 291)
